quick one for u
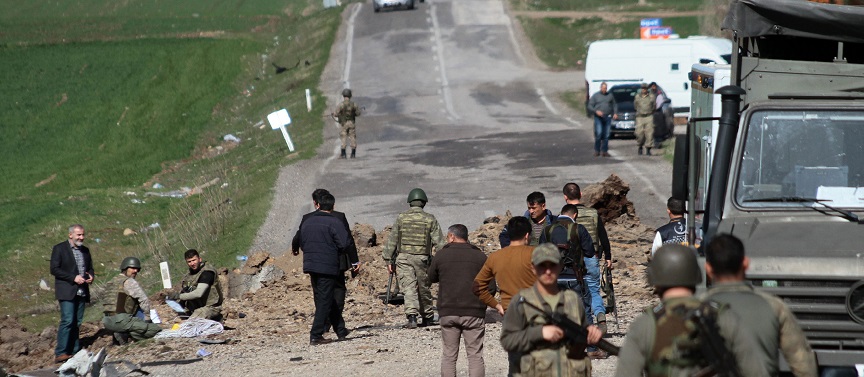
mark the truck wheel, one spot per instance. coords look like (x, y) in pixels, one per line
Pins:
(411, 5)
(377, 9)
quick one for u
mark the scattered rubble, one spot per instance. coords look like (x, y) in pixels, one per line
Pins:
(269, 295)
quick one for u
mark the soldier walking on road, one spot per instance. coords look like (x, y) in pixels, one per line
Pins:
(767, 317)
(671, 340)
(414, 237)
(644, 103)
(345, 114)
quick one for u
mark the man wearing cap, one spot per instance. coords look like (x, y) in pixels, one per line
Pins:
(538, 348)
(644, 104)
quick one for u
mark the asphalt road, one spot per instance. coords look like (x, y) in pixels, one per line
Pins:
(456, 105)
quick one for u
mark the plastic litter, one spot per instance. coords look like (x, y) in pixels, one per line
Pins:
(231, 137)
(204, 353)
(157, 185)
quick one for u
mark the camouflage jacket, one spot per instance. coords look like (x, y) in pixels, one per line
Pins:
(644, 104)
(522, 333)
(124, 295)
(638, 353)
(347, 110)
(772, 323)
(414, 232)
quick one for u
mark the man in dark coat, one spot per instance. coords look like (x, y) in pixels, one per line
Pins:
(323, 238)
(72, 268)
(352, 248)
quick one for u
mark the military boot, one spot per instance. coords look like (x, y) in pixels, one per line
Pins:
(428, 321)
(648, 151)
(640, 150)
(412, 322)
(343, 153)
(353, 152)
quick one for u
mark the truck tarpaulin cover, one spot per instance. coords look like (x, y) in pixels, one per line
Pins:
(796, 18)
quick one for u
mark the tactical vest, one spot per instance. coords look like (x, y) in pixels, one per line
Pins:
(571, 254)
(116, 300)
(554, 359)
(347, 111)
(214, 296)
(590, 219)
(677, 343)
(415, 228)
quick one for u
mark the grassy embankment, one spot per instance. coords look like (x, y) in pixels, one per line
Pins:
(103, 99)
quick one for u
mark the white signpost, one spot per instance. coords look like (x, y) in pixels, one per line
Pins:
(278, 120)
(166, 275)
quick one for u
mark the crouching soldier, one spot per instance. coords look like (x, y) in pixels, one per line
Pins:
(537, 347)
(123, 298)
(201, 293)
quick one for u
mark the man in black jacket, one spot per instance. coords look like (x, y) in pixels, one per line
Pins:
(461, 313)
(323, 238)
(352, 248)
(72, 268)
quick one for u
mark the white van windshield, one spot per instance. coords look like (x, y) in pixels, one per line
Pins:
(792, 157)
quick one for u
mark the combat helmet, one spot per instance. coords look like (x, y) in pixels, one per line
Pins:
(417, 194)
(346, 92)
(130, 262)
(674, 265)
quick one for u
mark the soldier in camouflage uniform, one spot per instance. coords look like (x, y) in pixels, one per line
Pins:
(201, 292)
(123, 298)
(766, 316)
(644, 104)
(414, 237)
(664, 341)
(345, 114)
(537, 347)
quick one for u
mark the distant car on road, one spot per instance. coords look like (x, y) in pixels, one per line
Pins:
(377, 5)
(625, 125)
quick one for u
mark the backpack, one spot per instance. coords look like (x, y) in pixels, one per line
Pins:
(686, 336)
(571, 252)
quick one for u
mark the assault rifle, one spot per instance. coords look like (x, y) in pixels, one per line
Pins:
(720, 359)
(609, 289)
(573, 332)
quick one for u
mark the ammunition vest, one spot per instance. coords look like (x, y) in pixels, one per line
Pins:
(415, 230)
(347, 111)
(554, 359)
(116, 300)
(214, 295)
(677, 339)
(571, 253)
(590, 219)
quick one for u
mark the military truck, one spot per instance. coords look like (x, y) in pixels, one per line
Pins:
(785, 170)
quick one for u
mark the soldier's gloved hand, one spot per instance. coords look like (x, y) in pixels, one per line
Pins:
(173, 296)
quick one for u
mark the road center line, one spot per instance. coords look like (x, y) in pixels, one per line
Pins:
(439, 51)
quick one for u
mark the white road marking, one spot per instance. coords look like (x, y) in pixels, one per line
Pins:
(445, 85)
(346, 74)
(546, 102)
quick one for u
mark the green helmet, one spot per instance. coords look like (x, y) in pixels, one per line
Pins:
(674, 265)
(346, 92)
(417, 194)
(130, 262)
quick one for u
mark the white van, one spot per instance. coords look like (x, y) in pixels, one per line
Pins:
(665, 61)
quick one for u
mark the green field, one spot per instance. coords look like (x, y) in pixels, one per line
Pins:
(103, 99)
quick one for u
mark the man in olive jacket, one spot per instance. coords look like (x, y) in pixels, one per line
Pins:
(462, 314)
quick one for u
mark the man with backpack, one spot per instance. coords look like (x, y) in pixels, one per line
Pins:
(684, 336)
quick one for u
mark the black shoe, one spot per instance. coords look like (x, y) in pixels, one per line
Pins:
(353, 153)
(428, 321)
(648, 151)
(412, 322)
(640, 151)
(343, 153)
(343, 337)
(320, 341)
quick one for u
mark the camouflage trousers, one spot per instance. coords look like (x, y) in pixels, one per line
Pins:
(137, 328)
(348, 134)
(207, 312)
(645, 130)
(414, 283)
